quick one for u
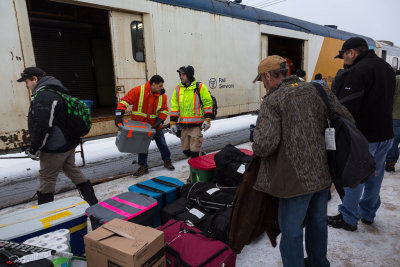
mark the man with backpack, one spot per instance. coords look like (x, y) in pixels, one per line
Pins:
(366, 90)
(149, 104)
(294, 167)
(192, 105)
(50, 141)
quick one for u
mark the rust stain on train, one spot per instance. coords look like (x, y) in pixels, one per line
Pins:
(14, 140)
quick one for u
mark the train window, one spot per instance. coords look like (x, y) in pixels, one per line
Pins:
(383, 55)
(395, 63)
(137, 41)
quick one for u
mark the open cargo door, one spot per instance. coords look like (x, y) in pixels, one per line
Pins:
(128, 51)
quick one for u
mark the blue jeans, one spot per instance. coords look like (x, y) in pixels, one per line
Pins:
(311, 209)
(393, 154)
(356, 203)
(162, 146)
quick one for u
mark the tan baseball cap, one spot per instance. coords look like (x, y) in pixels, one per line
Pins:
(267, 64)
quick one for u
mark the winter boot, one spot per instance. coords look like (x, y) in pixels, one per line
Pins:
(141, 171)
(187, 153)
(45, 198)
(168, 165)
(87, 192)
(195, 154)
(390, 166)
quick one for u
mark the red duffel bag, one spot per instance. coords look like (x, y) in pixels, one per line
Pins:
(189, 247)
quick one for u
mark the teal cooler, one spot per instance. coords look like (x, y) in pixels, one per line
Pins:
(164, 189)
(66, 213)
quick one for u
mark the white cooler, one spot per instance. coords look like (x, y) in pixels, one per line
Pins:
(67, 213)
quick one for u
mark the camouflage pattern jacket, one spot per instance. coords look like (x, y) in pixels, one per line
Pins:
(289, 137)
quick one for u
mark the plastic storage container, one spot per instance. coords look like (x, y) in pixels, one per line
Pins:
(134, 137)
(202, 168)
(66, 213)
(165, 189)
(128, 206)
(89, 104)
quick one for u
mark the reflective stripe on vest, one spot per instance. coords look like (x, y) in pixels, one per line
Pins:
(140, 104)
(191, 120)
(124, 103)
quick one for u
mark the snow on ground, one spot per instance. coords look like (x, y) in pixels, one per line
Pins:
(94, 150)
(369, 246)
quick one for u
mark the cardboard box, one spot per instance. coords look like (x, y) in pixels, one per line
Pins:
(124, 244)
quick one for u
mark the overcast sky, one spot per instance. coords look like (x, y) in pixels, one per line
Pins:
(373, 18)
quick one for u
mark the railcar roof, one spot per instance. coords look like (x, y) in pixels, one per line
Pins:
(239, 11)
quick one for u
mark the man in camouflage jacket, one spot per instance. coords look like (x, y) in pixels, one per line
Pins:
(289, 137)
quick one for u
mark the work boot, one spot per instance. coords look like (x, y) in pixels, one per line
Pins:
(45, 198)
(365, 221)
(390, 166)
(168, 165)
(141, 171)
(338, 222)
(187, 153)
(194, 154)
(87, 192)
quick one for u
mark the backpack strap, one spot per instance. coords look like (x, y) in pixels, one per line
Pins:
(198, 92)
(324, 97)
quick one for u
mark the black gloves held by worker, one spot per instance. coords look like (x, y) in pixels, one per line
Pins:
(157, 123)
(118, 117)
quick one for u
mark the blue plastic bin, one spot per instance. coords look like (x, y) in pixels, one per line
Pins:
(164, 189)
(89, 104)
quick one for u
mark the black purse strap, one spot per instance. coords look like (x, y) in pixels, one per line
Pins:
(324, 97)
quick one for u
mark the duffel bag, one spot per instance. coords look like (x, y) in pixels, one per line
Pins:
(230, 165)
(187, 246)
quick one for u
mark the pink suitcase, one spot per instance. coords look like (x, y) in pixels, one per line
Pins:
(187, 246)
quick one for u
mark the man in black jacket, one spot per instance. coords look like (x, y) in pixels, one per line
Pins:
(49, 142)
(366, 90)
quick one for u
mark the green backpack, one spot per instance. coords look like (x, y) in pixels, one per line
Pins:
(77, 114)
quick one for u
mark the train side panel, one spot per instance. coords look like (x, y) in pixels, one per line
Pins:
(15, 54)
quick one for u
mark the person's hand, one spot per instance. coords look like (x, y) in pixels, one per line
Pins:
(174, 127)
(118, 117)
(158, 122)
(32, 153)
(206, 124)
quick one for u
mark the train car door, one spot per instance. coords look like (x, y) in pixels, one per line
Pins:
(128, 51)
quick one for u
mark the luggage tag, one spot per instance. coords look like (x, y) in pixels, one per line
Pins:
(241, 169)
(196, 213)
(212, 190)
(330, 143)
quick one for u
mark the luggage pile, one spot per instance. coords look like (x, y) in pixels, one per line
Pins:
(160, 220)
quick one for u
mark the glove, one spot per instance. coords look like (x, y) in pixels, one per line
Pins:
(206, 124)
(174, 127)
(157, 123)
(118, 117)
(32, 153)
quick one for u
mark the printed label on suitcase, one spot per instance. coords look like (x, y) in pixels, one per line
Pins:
(196, 213)
(212, 191)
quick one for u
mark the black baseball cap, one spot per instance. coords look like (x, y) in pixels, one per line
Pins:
(351, 43)
(30, 72)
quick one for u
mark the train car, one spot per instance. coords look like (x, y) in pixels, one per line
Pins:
(101, 49)
(389, 52)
